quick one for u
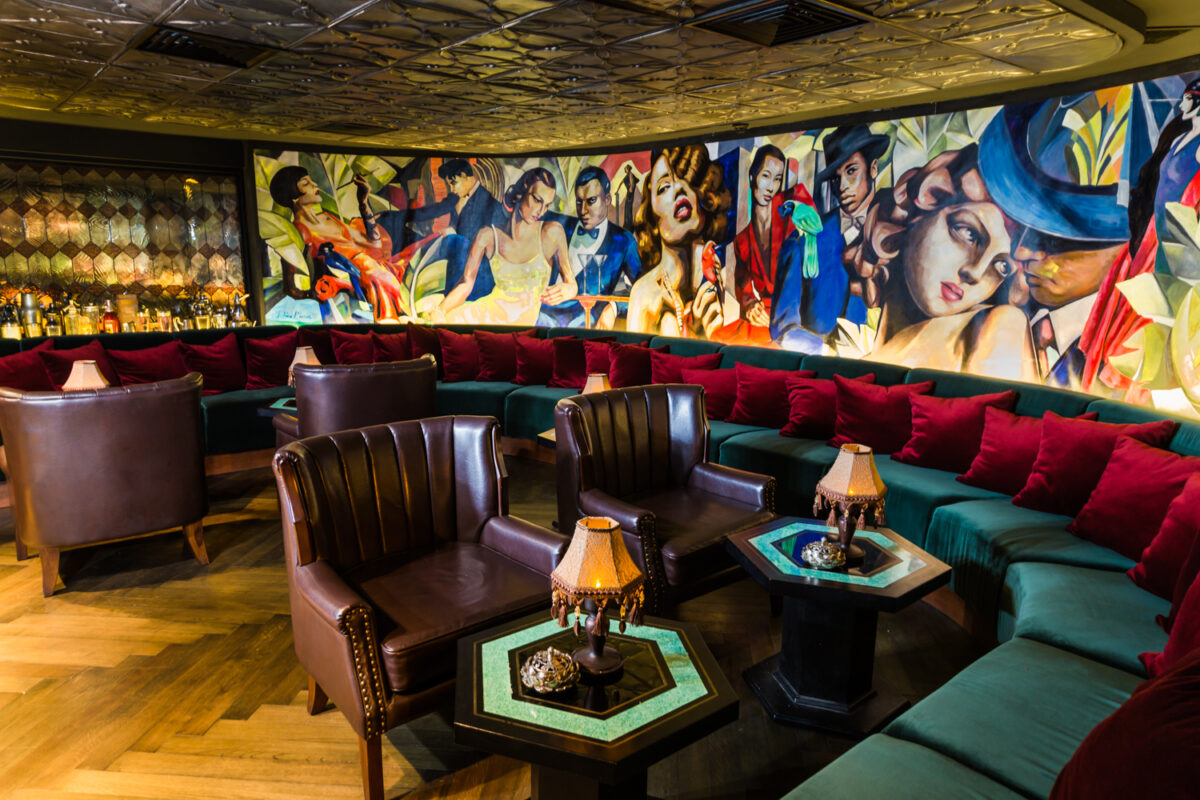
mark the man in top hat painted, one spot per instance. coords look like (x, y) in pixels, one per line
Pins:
(1067, 232)
(806, 308)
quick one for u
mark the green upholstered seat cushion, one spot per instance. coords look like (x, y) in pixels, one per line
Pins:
(1018, 713)
(915, 492)
(720, 431)
(1098, 614)
(797, 465)
(530, 410)
(882, 766)
(232, 423)
(1187, 437)
(759, 357)
(1032, 400)
(828, 366)
(980, 538)
(475, 397)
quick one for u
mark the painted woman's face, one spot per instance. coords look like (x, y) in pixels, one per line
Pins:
(310, 193)
(675, 204)
(956, 258)
(537, 202)
(768, 181)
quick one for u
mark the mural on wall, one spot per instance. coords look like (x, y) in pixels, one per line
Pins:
(1056, 241)
(99, 232)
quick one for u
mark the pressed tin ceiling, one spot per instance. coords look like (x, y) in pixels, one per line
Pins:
(512, 75)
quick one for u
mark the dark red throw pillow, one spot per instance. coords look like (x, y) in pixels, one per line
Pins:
(159, 363)
(58, 363)
(1163, 559)
(946, 431)
(1072, 456)
(667, 368)
(26, 370)
(762, 395)
(220, 363)
(535, 361)
(422, 340)
(570, 363)
(391, 346)
(1007, 450)
(352, 348)
(321, 343)
(878, 416)
(267, 360)
(1183, 639)
(1149, 747)
(497, 356)
(812, 412)
(1189, 574)
(629, 364)
(460, 356)
(720, 390)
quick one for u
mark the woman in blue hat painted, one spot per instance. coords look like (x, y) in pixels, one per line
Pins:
(934, 255)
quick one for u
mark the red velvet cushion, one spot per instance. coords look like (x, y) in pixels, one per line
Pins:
(26, 370)
(1007, 450)
(220, 363)
(1147, 748)
(629, 365)
(497, 356)
(570, 363)
(1071, 457)
(1184, 638)
(812, 402)
(391, 346)
(720, 390)
(58, 363)
(666, 368)
(946, 431)
(352, 348)
(267, 360)
(762, 395)
(159, 363)
(321, 343)
(878, 416)
(598, 355)
(1164, 557)
(422, 340)
(1188, 575)
(460, 355)
(535, 361)
(1130, 500)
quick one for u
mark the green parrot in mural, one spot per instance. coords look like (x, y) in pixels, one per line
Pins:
(803, 213)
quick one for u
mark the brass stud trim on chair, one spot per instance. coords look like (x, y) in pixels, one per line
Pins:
(356, 623)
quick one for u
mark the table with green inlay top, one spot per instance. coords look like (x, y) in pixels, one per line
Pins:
(822, 676)
(592, 741)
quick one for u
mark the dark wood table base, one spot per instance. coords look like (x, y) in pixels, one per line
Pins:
(555, 784)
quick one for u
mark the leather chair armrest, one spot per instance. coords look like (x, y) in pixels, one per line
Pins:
(334, 633)
(288, 424)
(524, 542)
(597, 503)
(738, 485)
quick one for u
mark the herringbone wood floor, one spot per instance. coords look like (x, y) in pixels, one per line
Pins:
(151, 676)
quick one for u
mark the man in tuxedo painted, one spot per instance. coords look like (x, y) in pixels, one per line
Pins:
(603, 255)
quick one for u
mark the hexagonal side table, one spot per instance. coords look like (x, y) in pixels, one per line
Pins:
(591, 741)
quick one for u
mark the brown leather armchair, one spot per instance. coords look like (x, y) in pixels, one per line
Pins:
(340, 397)
(98, 465)
(398, 542)
(640, 456)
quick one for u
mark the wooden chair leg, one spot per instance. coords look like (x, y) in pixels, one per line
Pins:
(22, 549)
(194, 532)
(370, 752)
(317, 699)
(49, 559)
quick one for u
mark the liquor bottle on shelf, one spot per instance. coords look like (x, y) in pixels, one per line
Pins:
(53, 319)
(10, 328)
(239, 316)
(30, 315)
(202, 312)
(110, 322)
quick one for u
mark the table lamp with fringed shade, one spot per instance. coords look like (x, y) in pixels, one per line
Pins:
(596, 382)
(304, 355)
(596, 570)
(84, 375)
(852, 494)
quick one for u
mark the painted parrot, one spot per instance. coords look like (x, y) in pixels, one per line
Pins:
(803, 212)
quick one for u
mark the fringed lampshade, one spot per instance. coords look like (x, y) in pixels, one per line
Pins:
(596, 382)
(597, 567)
(85, 375)
(853, 494)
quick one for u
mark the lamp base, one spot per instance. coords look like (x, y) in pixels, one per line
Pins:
(605, 664)
(854, 553)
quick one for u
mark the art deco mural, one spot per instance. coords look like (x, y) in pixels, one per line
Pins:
(1053, 241)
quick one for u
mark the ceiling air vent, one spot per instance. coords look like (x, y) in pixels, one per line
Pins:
(202, 47)
(350, 128)
(775, 22)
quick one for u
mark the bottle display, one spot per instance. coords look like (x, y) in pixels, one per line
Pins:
(53, 321)
(10, 328)
(109, 321)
